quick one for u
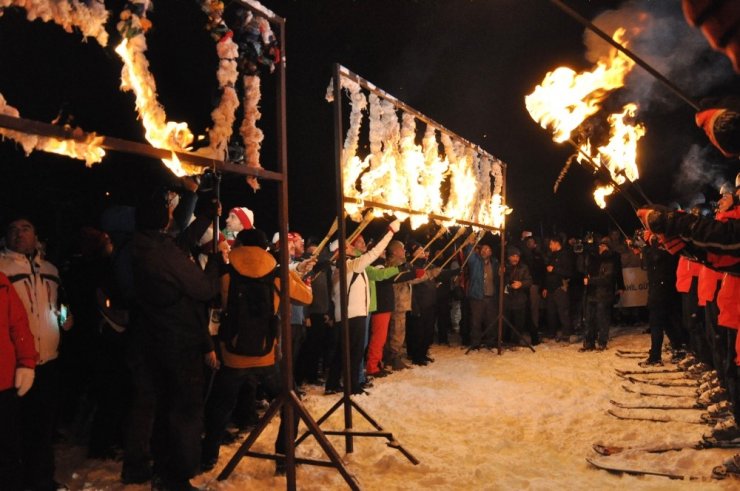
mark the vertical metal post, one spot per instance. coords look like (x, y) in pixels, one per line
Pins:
(287, 335)
(503, 262)
(342, 262)
(217, 192)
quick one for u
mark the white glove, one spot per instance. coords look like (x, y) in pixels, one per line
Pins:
(395, 226)
(23, 380)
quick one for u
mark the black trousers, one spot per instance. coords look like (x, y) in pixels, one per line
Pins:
(732, 373)
(518, 318)
(356, 348)
(111, 393)
(663, 320)
(558, 305)
(598, 316)
(38, 411)
(483, 316)
(314, 350)
(10, 441)
(444, 319)
(229, 381)
(167, 409)
(420, 333)
(178, 425)
(693, 324)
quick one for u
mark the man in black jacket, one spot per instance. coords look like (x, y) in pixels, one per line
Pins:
(518, 280)
(558, 271)
(602, 281)
(172, 336)
(663, 301)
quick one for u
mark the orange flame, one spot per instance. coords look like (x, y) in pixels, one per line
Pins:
(565, 98)
(619, 155)
(161, 133)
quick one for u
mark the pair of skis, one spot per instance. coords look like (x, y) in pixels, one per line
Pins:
(605, 451)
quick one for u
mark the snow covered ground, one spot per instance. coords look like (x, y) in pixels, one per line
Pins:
(522, 420)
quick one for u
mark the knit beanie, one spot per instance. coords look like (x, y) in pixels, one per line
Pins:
(245, 216)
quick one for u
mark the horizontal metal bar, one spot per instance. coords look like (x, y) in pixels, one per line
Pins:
(433, 216)
(367, 85)
(117, 144)
(382, 434)
(298, 460)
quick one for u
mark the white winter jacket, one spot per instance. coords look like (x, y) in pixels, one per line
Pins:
(358, 301)
(36, 282)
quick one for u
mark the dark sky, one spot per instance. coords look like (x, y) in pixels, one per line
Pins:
(465, 63)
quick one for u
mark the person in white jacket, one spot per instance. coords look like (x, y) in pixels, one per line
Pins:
(358, 303)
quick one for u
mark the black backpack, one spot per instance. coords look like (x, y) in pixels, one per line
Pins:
(249, 326)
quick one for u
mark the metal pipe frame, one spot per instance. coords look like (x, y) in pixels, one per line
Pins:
(288, 400)
(433, 216)
(119, 145)
(370, 87)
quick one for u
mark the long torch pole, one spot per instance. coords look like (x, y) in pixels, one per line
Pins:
(216, 226)
(439, 233)
(481, 233)
(458, 250)
(326, 238)
(652, 71)
(457, 235)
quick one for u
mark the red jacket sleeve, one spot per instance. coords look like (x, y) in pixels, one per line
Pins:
(20, 334)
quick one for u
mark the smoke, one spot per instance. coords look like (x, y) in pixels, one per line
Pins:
(697, 171)
(658, 33)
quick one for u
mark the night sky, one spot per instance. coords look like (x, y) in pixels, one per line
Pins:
(465, 63)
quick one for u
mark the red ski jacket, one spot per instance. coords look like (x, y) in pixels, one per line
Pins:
(16, 342)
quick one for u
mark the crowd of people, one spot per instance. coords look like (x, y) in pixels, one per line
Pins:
(159, 340)
(155, 338)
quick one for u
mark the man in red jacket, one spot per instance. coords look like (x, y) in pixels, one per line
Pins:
(17, 362)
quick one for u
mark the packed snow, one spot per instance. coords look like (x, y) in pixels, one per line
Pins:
(521, 420)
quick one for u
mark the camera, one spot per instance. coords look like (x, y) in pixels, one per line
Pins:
(637, 239)
(578, 246)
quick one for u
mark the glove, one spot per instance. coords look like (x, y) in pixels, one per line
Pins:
(23, 380)
(394, 226)
(654, 217)
(722, 126)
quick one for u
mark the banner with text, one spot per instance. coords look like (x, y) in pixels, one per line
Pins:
(635, 288)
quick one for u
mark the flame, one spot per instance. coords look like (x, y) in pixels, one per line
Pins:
(498, 211)
(90, 151)
(350, 173)
(411, 166)
(565, 98)
(161, 133)
(433, 172)
(600, 194)
(463, 189)
(619, 155)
